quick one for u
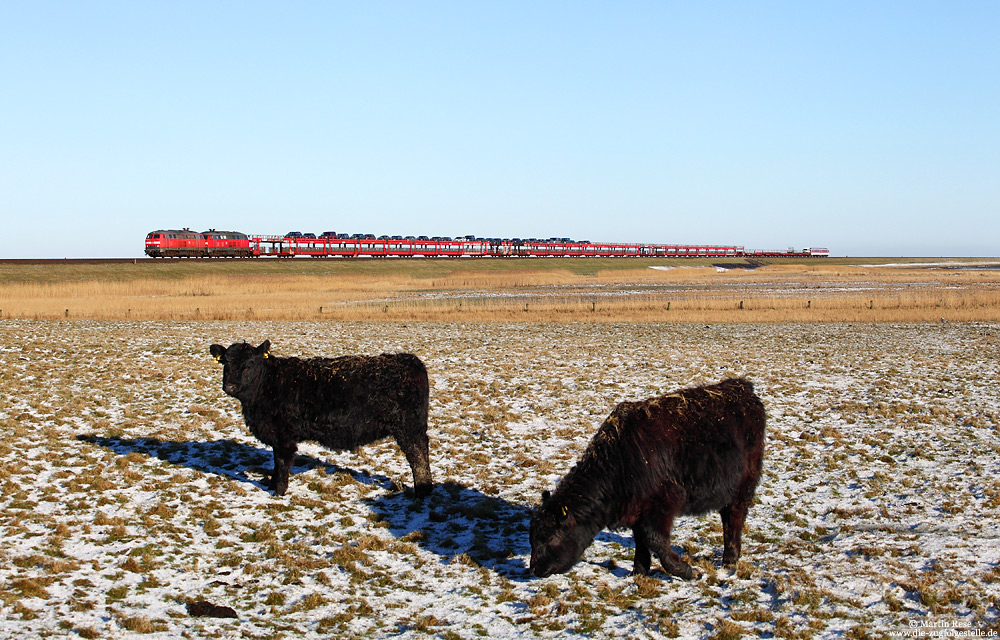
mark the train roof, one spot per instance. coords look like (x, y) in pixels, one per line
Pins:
(176, 232)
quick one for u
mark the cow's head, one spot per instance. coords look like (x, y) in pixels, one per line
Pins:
(557, 538)
(244, 367)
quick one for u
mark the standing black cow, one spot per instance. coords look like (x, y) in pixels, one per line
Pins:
(342, 403)
(689, 452)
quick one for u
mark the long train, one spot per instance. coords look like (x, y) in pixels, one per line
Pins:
(185, 243)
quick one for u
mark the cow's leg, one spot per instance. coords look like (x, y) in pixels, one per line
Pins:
(657, 535)
(284, 456)
(417, 450)
(640, 565)
(733, 518)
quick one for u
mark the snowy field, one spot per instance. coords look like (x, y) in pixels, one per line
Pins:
(132, 491)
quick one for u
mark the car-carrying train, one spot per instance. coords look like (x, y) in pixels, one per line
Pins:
(185, 243)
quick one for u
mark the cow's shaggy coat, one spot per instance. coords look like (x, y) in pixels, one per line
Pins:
(341, 403)
(689, 452)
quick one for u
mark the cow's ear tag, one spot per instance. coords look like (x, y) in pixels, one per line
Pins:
(565, 511)
(218, 359)
(267, 354)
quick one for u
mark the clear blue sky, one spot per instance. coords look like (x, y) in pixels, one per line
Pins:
(869, 127)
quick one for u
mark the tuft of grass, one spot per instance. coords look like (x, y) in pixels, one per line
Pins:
(26, 613)
(116, 593)
(727, 630)
(142, 624)
(308, 603)
(31, 587)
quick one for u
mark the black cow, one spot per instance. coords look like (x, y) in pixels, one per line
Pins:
(341, 403)
(686, 453)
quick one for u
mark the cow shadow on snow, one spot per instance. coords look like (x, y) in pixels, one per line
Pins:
(461, 524)
(227, 458)
(455, 522)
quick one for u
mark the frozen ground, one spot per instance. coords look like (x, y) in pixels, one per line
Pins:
(132, 490)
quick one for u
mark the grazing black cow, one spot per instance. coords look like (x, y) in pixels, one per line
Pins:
(341, 403)
(686, 453)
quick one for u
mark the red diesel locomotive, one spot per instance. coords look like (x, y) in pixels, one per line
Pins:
(185, 243)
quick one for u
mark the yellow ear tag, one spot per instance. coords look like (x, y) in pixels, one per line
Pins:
(267, 354)
(218, 358)
(565, 511)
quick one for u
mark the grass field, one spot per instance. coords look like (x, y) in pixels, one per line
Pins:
(592, 290)
(132, 490)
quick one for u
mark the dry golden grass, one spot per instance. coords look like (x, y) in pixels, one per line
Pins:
(623, 290)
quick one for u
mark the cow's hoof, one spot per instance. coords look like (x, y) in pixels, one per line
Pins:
(423, 490)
